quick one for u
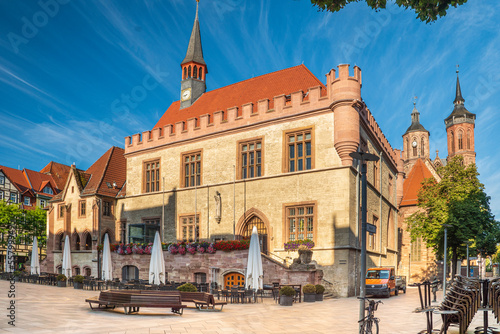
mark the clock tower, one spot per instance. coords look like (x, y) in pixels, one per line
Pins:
(415, 141)
(194, 68)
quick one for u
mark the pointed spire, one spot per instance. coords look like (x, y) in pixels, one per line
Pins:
(415, 119)
(458, 94)
(194, 50)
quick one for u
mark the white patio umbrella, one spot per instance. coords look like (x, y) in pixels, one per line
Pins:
(66, 265)
(255, 275)
(107, 267)
(35, 263)
(157, 263)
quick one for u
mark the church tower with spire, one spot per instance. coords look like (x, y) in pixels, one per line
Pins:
(460, 129)
(194, 68)
(415, 141)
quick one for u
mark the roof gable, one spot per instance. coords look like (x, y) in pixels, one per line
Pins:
(17, 178)
(266, 86)
(109, 170)
(413, 183)
(59, 173)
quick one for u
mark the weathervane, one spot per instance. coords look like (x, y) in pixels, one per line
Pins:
(457, 68)
(415, 100)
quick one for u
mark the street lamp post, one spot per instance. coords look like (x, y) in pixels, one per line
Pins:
(468, 264)
(362, 158)
(445, 256)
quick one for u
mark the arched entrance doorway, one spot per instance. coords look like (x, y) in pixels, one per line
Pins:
(233, 279)
(246, 231)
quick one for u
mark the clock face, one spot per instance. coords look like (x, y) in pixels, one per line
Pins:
(186, 94)
(414, 144)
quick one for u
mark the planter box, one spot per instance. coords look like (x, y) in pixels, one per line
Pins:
(77, 285)
(309, 297)
(286, 300)
(489, 274)
(61, 284)
(319, 297)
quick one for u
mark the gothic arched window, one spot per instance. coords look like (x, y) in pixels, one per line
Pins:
(189, 71)
(468, 139)
(185, 73)
(460, 141)
(422, 147)
(195, 72)
(415, 148)
(200, 72)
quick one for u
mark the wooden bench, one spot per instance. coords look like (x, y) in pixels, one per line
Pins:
(132, 301)
(202, 300)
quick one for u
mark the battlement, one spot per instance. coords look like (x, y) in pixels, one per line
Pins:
(370, 121)
(231, 118)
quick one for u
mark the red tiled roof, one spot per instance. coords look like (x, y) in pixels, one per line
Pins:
(266, 86)
(110, 168)
(39, 180)
(17, 177)
(59, 173)
(413, 183)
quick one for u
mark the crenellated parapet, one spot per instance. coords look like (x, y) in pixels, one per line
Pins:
(369, 120)
(342, 96)
(231, 118)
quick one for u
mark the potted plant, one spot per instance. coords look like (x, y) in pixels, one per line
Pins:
(78, 282)
(320, 290)
(286, 295)
(61, 280)
(309, 293)
(187, 287)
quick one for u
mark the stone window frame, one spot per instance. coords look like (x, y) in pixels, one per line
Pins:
(60, 211)
(286, 152)
(286, 225)
(240, 154)
(82, 204)
(107, 208)
(148, 185)
(372, 239)
(198, 176)
(181, 224)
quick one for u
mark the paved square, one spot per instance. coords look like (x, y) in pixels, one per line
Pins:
(48, 309)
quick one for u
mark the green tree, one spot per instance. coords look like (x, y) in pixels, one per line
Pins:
(459, 202)
(24, 223)
(427, 10)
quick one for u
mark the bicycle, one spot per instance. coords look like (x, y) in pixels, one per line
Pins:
(369, 324)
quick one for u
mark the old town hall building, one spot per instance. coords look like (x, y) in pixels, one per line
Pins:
(273, 152)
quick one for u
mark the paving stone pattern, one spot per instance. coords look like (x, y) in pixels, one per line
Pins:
(47, 309)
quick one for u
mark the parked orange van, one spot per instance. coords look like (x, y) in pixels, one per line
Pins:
(381, 282)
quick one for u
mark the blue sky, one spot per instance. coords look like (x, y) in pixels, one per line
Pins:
(77, 76)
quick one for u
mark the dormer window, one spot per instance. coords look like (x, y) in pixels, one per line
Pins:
(48, 190)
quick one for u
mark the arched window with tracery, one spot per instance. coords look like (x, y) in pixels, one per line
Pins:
(261, 229)
(415, 147)
(460, 141)
(468, 139)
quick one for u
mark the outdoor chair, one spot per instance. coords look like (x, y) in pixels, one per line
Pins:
(259, 293)
(249, 296)
(235, 295)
